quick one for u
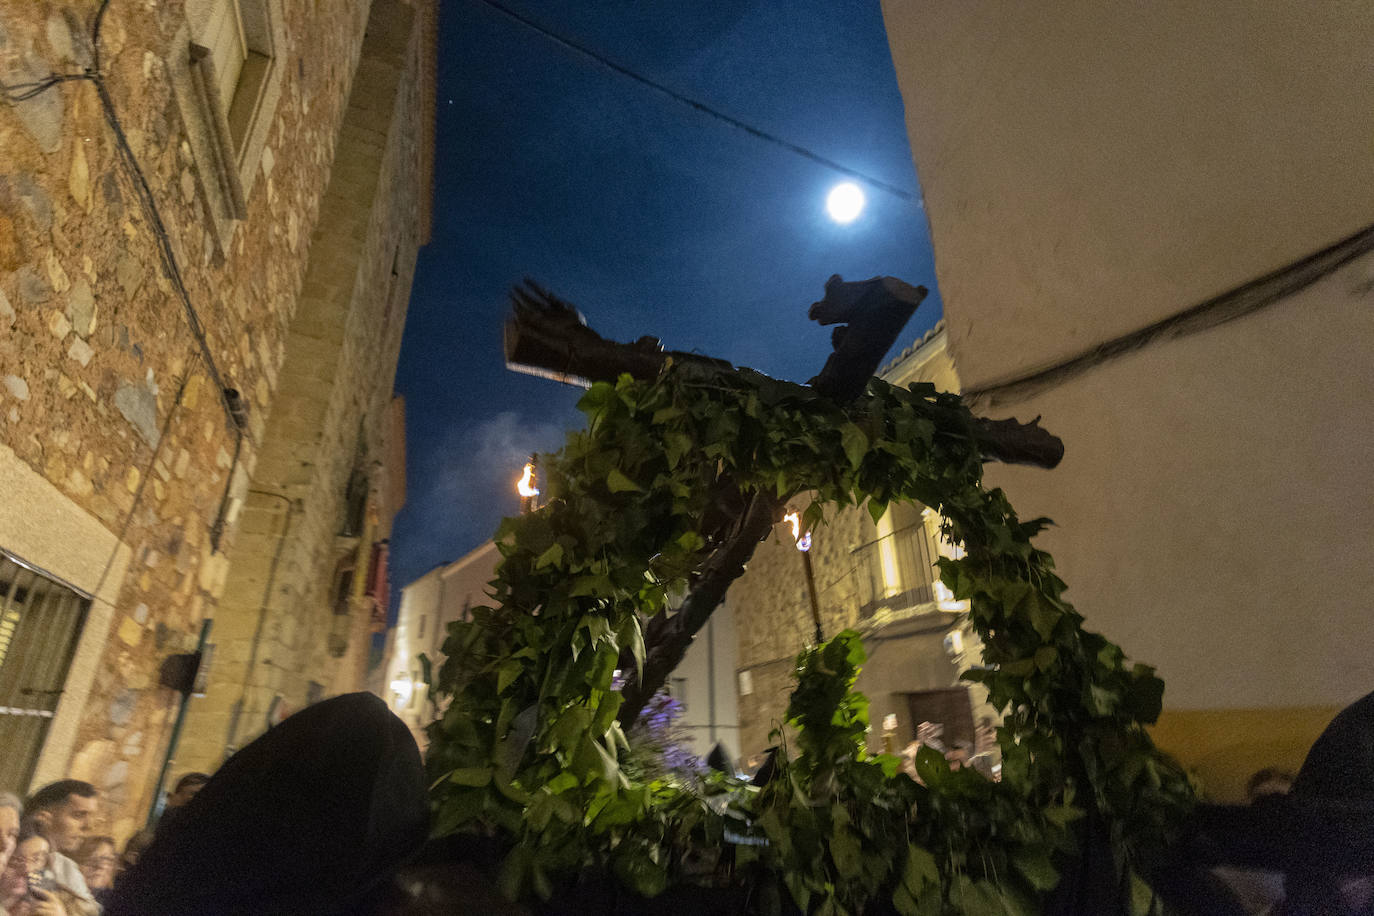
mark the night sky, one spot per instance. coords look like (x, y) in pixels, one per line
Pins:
(651, 217)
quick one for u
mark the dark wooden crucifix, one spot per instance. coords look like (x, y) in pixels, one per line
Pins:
(548, 337)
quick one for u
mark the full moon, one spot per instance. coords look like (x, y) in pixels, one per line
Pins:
(845, 203)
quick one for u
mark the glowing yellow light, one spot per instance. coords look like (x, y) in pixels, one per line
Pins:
(887, 555)
(526, 486)
(803, 540)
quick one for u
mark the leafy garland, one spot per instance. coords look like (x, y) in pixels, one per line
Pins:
(529, 748)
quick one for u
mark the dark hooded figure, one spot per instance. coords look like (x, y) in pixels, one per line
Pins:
(310, 818)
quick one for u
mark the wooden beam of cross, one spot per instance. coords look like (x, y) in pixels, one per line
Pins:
(546, 336)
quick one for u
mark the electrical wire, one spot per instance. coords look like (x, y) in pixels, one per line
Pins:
(701, 107)
(23, 92)
(1247, 299)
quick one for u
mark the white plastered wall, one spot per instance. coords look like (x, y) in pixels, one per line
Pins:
(1091, 168)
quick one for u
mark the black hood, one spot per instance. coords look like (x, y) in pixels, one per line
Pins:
(305, 820)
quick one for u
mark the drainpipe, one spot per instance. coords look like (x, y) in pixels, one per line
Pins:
(293, 506)
(711, 677)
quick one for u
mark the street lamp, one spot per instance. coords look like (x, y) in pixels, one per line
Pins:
(803, 542)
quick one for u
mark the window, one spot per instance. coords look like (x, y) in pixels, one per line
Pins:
(423, 620)
(227, 79)
(355, 504)
(40, 622)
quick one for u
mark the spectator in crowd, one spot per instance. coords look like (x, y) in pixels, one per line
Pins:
(65, 809)
(140, 841)
(21, 883)
(133, 849)
(1268, 781)
(97, 859)
(185, 790)
(11, 812)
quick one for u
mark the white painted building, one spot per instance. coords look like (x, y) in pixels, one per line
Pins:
(704, 683)
(428, 606)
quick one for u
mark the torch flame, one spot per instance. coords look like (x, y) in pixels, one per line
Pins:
(526, 486)
(803, 540)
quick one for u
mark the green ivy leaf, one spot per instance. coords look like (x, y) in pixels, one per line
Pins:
(456, 809)
(632, 634)
(664, 414)
(1143, 899)
(846, 853)
(1043, 616)
(855, 444)
(637, 869)
(571, 727)
(931, 766)
(507, 673)
(920, 870)
(1063, 815)
(977, 898)
(551, 557)
(1034, 864)
(617, 482)
(470, 776)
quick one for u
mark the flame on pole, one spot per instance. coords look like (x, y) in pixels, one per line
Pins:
(803, 542)
(526, 486)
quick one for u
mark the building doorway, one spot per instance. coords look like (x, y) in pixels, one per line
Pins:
(950, 707)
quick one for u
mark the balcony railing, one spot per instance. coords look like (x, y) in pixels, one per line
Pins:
(896, 571)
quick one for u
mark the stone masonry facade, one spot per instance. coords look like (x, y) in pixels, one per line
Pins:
(112, 425)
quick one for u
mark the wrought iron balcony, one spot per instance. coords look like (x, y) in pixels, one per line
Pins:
(897, 572)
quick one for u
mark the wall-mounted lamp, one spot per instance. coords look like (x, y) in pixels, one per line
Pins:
(803, 542)
(402, 688)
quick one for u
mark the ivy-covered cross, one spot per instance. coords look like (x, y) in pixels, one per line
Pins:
(681, 470)
(547, 337)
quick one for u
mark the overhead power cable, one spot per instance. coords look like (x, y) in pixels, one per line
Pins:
(702, 107)
(229, 397)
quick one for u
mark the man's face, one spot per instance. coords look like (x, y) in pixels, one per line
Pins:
(69, 822)
(9, 832)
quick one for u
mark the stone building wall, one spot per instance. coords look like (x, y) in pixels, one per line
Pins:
(111, 424)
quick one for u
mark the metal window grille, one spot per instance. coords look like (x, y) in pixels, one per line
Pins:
(40, 622)
(896, 571)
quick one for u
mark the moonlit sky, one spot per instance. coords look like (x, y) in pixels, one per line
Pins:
(651, 217)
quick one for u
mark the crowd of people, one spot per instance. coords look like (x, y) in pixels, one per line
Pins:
(51, 864)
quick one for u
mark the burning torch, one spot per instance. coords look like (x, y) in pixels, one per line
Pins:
(529, 492)
(804, 548)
